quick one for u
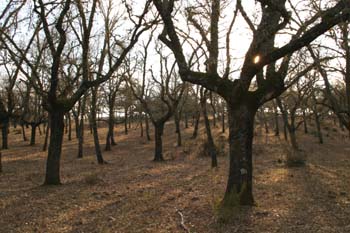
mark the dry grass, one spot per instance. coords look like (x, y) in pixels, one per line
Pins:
(134, 194)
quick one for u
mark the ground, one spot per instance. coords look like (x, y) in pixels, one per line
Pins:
(133, 194)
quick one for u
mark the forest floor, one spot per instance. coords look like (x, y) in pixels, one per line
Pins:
(133, 194)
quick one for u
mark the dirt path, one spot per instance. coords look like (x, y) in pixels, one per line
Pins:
(134, 194)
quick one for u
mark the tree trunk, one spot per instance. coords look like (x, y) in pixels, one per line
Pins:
(94, 129)
(239, 188)
(69, 127)
(211, 145)
(147, 128)
(110, 134)
(33, 134)
(178, 129)
(306, 131)
(24, 133)
(5, 130)
(223, 120)
(196, 124)
(46, 137)
(54, 154)
(158, 133)
(277, 128)
(0, 162)
(186, 120)
(126, 121)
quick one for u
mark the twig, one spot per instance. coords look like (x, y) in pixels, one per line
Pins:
(182, 224)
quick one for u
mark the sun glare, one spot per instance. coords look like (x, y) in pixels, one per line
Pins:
(256, 59)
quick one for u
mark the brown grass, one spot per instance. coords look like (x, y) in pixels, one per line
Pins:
(134, 194)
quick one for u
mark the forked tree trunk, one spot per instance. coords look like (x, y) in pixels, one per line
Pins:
(54, 154)
(240, 180)
(158, 133)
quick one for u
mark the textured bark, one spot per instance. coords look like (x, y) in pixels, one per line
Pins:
(54, 154)
(241, 127)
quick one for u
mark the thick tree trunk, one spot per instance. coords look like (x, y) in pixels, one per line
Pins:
(33, 134)
(5, 130)
(54, 154)
(239, 188)
(158, 133)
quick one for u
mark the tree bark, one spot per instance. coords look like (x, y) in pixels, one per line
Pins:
(196, 125)
(23, 133)
(54, 154)
(98, 152)
(33, 134)
(46, 136)
(211, 145)
(178, 128)
(158, 133)
(5, 130)
(147, 128)
(241, 127)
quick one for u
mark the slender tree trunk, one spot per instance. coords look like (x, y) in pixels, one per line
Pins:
(223, 127)
(80, 126)
(126, 121)
(0, 162)
(110, 134)
(46, 136)
(24, 133)
(147, 128)
(277, 128)
(5, 130)
(306, 131)
(54, 154)
(196, 125)
(210, 140)
(33, 134)
(178, 128)
(98, 152)
(158, 133)
(186, 120)
(292, 132)
(240, 181)
(69, 127)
